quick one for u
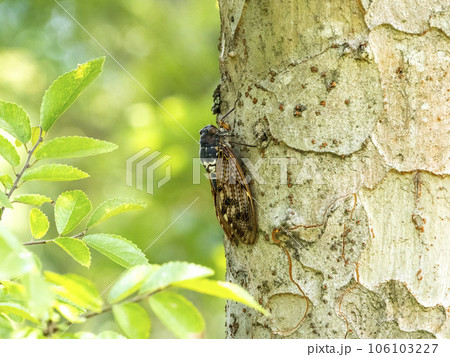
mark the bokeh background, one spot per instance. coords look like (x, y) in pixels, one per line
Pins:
(170, 48)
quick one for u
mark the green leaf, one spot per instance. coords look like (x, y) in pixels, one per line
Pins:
(4, 200)
(66, 89)
(130, 282)
(16, 309)
(15, 121)
(70, 311)
(222, 289)
(34, 199)
(70, 209)
(54, 172)
(15, 260)
(76, 248)
(132, 319)
(76, 289)
(116, 248)
(178, 314)
(8, 151)
(172, 272)
(14, 291)
(73, 146)
(38, 223)
(35, 132)
(6, 181)
(113, 207)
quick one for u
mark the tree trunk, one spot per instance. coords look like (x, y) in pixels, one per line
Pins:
(351, 99)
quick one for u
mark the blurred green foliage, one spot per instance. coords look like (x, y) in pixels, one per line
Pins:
(170, 49)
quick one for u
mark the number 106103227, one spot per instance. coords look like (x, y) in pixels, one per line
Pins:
(403, 348)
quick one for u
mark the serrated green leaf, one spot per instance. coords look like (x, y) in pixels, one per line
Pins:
(38, 223)
(77, 289)
(76, 248)
(130, 282)
(8, 151)
(6, 181)
(16, 309)
(54, 172)
(132, 319)
(73, 146)
(70, 209)
(34, 199)
(116, 248)
(15, 120)
(173, 272)
(222, 289)
(66, 89)
(113, 207)
(178, 314)
(4, 201)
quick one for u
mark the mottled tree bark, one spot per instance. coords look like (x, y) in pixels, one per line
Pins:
(356, 95)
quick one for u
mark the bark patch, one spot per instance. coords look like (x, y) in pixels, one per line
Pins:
(286, 321)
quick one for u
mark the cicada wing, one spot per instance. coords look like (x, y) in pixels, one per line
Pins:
(232, 197)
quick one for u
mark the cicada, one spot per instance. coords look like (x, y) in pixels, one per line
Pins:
(232, 197)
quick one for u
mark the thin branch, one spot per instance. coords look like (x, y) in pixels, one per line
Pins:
(80, 235)
(76, 236)
(107, 308)
(38, 242)
(51, 328)
(25, 166)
